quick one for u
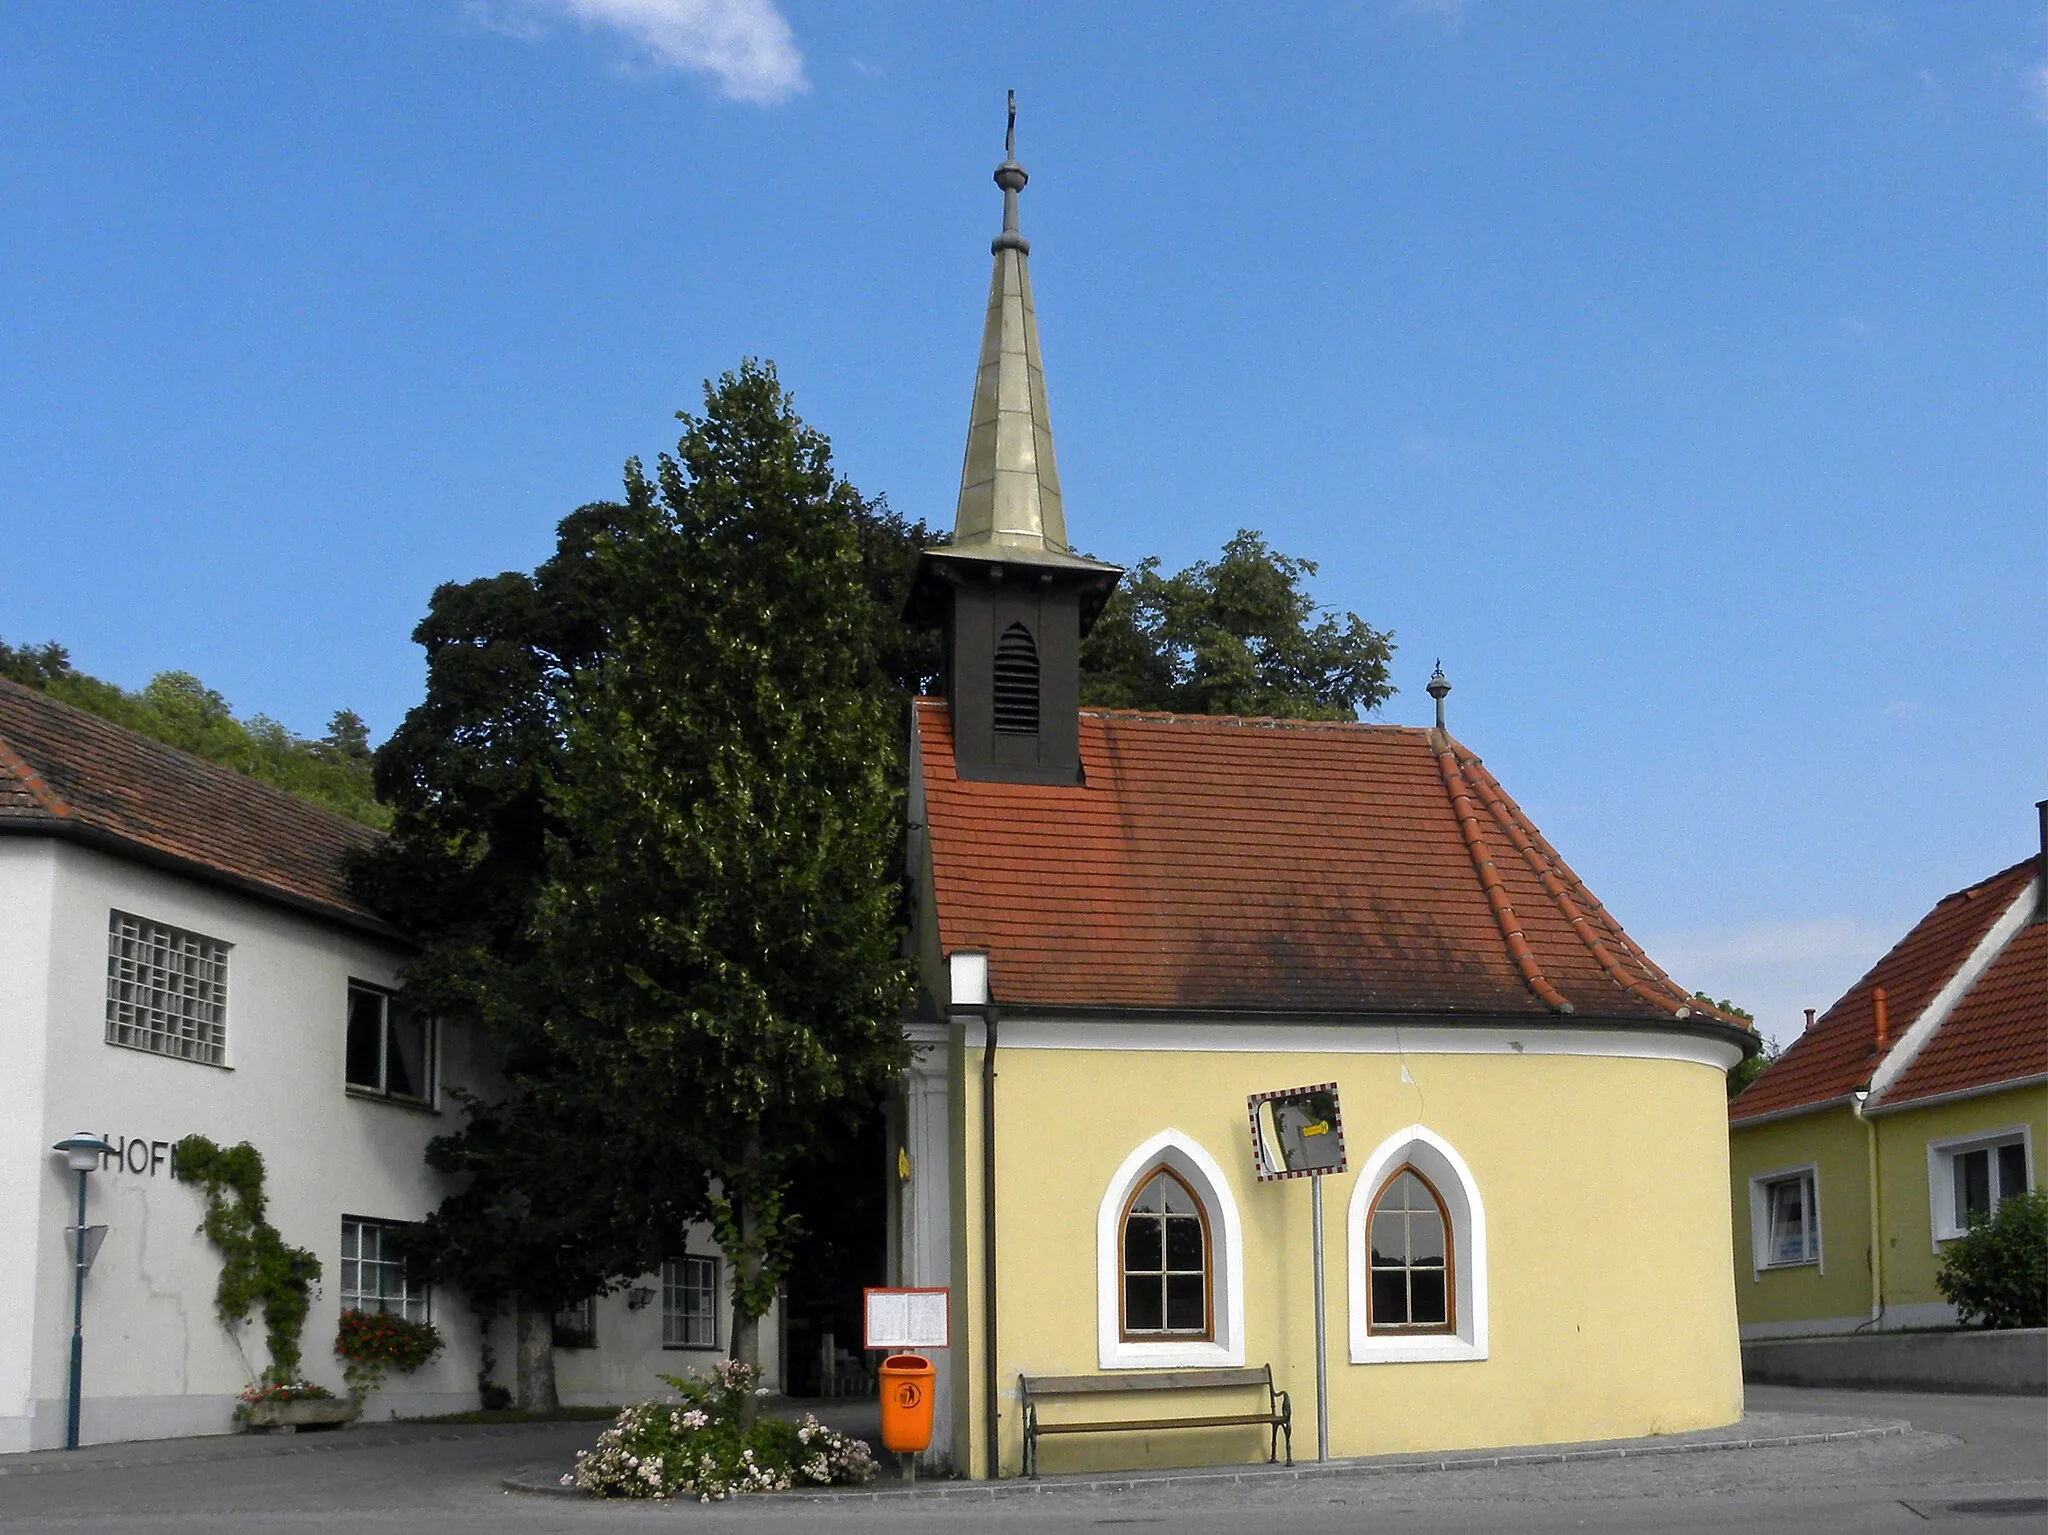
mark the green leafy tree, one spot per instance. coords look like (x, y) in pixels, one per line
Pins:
(720, 926)
(645, 827)
(1747, 1070)
(558, 1201)
(1237, 636)
(1996, 1273)
(180, 710)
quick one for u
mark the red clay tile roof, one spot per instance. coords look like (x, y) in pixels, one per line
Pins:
(1272, 866)
(1997, 1033)
(1839, 1053)
(67, 773)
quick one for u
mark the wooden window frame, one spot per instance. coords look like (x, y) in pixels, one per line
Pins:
(1208, 1332)
(1448, 1327)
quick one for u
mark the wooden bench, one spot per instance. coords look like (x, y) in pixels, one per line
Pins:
(1278, 1416)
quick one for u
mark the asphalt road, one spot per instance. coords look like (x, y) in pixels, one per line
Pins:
(1971, 1463)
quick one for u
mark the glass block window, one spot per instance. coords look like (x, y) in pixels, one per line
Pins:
(167, 990)
(689, 1303)
(373, 1274)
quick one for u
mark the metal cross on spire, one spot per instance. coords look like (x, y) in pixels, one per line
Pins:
(1010, 138)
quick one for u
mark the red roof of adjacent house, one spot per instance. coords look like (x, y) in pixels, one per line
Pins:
(1997, 1033)
(1273, 866)
(65, 772)
(1839, 1054)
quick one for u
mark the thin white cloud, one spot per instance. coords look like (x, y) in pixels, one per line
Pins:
(745, 45)
(1776, 969)
(1448, 14)
(2037, 90)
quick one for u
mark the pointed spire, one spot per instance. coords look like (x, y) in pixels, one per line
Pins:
(1009, 486)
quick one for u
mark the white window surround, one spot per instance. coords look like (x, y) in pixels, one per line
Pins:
(1760, 1220)
(1226, 1233)
(1941, 1179)
(1439, 1162)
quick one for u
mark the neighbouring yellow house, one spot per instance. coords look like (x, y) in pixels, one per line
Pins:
(1917, 1099)
(1128, 923)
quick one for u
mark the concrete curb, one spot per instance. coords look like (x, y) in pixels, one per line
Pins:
(1084, 1485)
(240, 1446)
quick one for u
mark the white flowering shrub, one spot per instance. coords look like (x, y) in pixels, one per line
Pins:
(697, 1447)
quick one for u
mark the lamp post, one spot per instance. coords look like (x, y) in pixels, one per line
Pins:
(82, 1153)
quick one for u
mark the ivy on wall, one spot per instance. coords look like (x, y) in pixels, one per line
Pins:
(257, 1266)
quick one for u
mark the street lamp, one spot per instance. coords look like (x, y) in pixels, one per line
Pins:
(82, 1153)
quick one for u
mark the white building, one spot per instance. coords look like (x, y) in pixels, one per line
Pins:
(179, 953)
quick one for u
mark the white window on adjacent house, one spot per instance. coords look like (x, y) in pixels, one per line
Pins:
(1968, 1177)
(689, 1303)
(390, 1052)
(373, 1276)
(1784, 1219)
(167, 990)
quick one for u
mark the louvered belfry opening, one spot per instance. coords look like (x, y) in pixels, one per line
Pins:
(1016, 691)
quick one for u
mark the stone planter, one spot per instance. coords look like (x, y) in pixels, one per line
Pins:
(290, 1417)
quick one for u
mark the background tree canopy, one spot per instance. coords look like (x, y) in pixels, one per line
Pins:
(1239, 636)
(180, 710)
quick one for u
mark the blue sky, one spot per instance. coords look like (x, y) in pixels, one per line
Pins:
(1675, 373)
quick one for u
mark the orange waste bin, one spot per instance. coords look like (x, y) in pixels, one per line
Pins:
(907, 1402)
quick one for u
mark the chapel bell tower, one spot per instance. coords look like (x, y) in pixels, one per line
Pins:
(1013, 599)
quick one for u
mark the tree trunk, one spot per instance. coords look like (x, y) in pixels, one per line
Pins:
(535, 1332)
(746, 1323)
(748, 1261)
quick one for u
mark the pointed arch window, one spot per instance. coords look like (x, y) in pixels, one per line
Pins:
(1165, 1271)
(1411, 1283)
(1016, 682)
(1416, 1234)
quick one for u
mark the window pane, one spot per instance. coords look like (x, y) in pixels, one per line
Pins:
(1389, 1240)
(2012, 1170)
(1174, 1197)
(1425, 1237)
(700, 1297)
(1142, 1250)
(1426, 1292)
(1150, 1195)
(1973, 1185)
(1142, 1304)
(1186, 1310)
(1184, 1243)
(1390, 1298)
(1407, 1194)
(406, 1062)
(365, 1038)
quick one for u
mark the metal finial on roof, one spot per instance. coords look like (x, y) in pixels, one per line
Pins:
(1011, 178)
(1009, 487)
(1439, 686)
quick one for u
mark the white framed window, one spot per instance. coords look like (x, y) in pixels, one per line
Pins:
(1968, 1177)
(390, 1052)
(1194, 1179)
(167, 990)
(689, 1303)
(1790, 1206)
(1415, 1240)
(373, 1276)
(1784, 1219)
(576, 1325)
